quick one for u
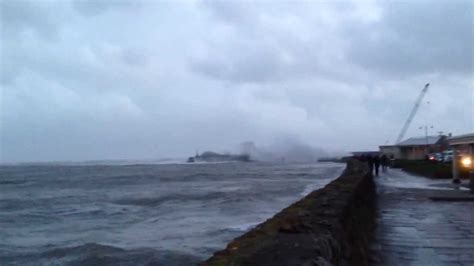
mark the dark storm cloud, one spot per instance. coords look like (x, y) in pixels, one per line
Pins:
(254, 66)
(268, 43)
(411, 38)
(134, 57)
(17, 16)
(233, 12)
(22, 20)
(415, 38)
(94, 8)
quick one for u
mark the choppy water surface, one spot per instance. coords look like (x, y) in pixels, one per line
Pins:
(167, 214)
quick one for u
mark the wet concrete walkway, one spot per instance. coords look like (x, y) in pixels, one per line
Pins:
(412, 229)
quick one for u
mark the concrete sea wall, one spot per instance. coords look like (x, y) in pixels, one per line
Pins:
(330, 226)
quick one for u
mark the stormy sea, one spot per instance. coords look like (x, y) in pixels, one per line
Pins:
(141, 213)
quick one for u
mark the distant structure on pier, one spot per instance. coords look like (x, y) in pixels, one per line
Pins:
(210, 156)
(365, 153)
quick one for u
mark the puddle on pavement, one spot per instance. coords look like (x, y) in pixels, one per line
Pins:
(399, 179)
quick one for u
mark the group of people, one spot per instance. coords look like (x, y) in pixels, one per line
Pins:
(375, 161)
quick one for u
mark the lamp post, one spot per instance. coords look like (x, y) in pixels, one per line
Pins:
(426, 127)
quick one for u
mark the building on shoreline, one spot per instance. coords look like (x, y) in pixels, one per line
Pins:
(415, 148)
(463, 151)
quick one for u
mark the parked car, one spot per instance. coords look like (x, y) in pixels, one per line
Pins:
(435, 157)
(432, 156)
(448, 156)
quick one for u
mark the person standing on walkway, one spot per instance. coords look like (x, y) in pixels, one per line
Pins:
(384, 162)
(392, 161)
(376, 164)
(370, 163)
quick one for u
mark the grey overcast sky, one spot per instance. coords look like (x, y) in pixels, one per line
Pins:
(113, 79)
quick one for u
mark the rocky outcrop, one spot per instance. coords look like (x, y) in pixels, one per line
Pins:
(330, 226)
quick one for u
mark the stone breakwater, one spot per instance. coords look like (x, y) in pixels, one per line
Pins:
(330, 226)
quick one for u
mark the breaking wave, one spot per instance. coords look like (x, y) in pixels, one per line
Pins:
(98, 254)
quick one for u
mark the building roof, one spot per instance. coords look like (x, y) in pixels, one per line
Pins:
(420, 141)
(462, 139)
(358, 153)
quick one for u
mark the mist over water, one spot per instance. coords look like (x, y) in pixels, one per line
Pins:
(286, 149)
(171, 214)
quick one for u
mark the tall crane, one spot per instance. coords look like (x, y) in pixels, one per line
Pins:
(412, 113)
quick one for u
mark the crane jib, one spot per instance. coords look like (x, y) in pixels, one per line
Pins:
(412, 113)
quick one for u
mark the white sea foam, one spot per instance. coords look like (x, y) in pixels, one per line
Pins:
(319, 183)
(243, 226)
